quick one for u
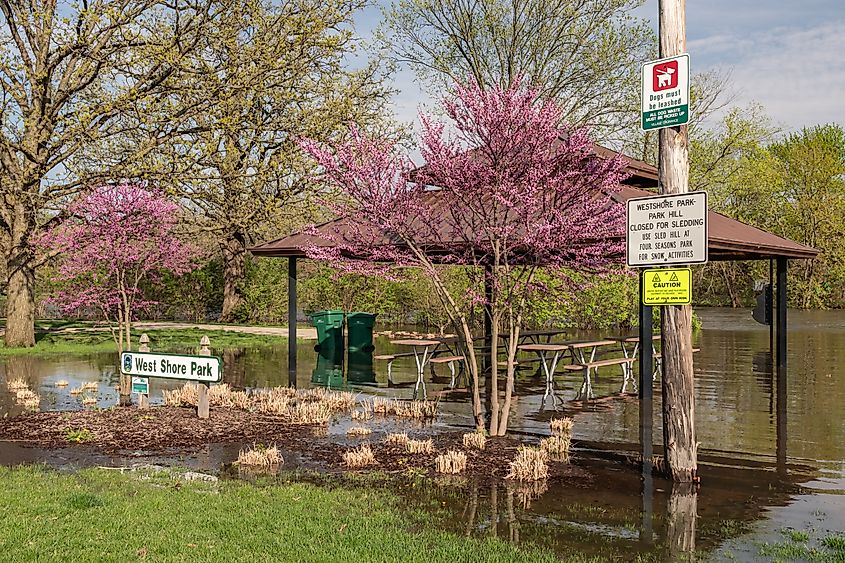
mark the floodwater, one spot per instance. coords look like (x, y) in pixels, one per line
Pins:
(766, 464)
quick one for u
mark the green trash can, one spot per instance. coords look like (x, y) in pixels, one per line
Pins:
(360, 326)
(329, 325)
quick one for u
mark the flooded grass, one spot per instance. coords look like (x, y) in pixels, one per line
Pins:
(124, 516)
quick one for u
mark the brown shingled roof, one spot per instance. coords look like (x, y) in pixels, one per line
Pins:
(729, 239)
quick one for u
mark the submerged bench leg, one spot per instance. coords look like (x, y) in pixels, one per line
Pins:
(390, 372)
(586, 391)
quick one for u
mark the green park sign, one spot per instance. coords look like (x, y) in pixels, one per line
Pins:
(665, 93)
(205, 369)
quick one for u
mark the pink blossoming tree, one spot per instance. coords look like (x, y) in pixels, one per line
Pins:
(509, 190)
(116, 239)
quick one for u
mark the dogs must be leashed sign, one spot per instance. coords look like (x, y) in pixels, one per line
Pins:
(206, 369)
(665, 93)
(667, 287)
(667, 229)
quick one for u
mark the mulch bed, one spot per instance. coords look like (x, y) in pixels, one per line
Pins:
(124, 430)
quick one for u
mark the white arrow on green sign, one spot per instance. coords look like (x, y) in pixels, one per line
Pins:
(206, 369)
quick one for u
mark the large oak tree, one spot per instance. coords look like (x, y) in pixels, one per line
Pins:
(69, 74)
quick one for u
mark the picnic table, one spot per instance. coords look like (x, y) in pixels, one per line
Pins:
(423, 350)
(542, 350)
(583, 355)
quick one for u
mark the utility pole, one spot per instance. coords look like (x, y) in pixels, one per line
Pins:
(676, 320)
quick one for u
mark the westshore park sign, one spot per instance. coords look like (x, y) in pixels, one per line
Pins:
(667, 229)
(204, 369)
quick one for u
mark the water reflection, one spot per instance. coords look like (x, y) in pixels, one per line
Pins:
(764, 441)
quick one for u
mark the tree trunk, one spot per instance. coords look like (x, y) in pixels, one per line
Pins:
(676, 321)
(20, 305)
(234, 269)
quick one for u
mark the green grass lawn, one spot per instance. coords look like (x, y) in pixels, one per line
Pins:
(172, 340)
(99, 515)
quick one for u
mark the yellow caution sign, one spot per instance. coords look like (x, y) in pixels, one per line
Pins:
(667, 287)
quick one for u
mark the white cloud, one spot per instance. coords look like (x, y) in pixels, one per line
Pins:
(797, 75)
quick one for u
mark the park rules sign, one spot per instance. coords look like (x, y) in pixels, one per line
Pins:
(665, 93)
(205, 369)
(667, 229)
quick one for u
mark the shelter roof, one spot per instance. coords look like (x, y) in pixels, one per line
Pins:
(728, 239)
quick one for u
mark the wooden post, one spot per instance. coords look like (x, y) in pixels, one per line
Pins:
(202, 388)
(676, 321)
(144, 346)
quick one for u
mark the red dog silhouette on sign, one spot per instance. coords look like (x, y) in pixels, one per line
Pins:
(665, 76)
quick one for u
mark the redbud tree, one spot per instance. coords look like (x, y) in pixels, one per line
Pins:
(507, 188)
(113, 246)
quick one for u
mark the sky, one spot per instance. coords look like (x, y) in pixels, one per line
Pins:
(788, 55)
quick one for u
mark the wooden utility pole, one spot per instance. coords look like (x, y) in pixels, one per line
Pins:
(676, 320)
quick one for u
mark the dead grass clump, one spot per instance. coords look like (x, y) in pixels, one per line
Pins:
(451, 462)
(337, 401)
(239, 400)
(17, 384)
(475, 440)
(88, 401)
(28, 399)
(556, 446)
(310, 413)
(185, 396)
(419, 446)
(77, 391)
(359, 457)
(381, 405)
(218, 395)
(275, 401)
(24, 394)
(530, 464)
(61, 383)
(260, 456)
(366, 412)
(90, 386)
(358, 431)
(396, 439)
(415, 409)
(562, 426)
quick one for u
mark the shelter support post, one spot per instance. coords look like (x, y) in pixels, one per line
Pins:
(781, 316)
(292, 322)
(780, 363)
(770, 309)
(646, 414)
